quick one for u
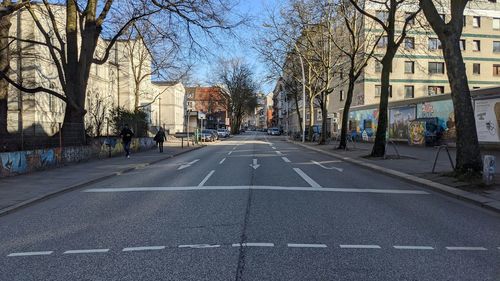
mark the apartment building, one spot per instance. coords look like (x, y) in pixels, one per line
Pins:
(419, 69)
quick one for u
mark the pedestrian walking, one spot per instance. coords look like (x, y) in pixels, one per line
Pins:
(126, 135)
(160, 138)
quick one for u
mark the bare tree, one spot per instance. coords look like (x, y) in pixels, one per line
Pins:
(238, 81)
(449, 33)
(387, 18)
(358, 49)
(7, 8)
(98, 109)
(72, 44)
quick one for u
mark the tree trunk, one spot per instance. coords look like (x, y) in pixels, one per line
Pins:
(298, 114)
(5, 25)
(468, 153)
(380, 137)
(345, 113)
(311, 120)
(324, 121)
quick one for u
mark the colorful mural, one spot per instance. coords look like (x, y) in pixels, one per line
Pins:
(443, 110)
(416, 133)
(399, 120)
(19, 162)
(363, 122)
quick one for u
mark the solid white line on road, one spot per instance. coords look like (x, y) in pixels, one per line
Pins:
(466, 248)
(86, 251)
(222, 161)
(328, 168)
(286, 159)
(360, 246)
(253, 245)
(199, 246)
(206, 178)
(25, 254)
(256, 187)
(414, 247)
(292, 245)
(146, 248)
(310, 181)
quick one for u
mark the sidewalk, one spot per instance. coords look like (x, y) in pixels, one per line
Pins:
(415, 165)
(19, 191)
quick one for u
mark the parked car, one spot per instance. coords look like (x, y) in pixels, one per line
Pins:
(223, 133)
(274, 132)
(207, 136)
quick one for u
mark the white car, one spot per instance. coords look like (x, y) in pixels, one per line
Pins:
(223, 133)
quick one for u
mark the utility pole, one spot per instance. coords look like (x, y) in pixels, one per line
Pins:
(303, 100)
(159, 112)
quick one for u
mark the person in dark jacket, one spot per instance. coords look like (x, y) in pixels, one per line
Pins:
(126, 134)
(160, 138)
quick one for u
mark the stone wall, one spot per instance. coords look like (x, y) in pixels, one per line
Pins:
(21, 162)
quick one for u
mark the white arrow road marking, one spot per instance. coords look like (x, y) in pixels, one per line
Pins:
(206, 178)
(199, 246)
(310, 181)
(183, 166)
(255, 165)
(328, 168)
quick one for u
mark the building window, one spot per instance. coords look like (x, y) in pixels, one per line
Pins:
(378, 66)
(409, 18)
(465, 21)
(496, 70)
(409, 67)
(496, 46)
(378, 91)
(435, 90)
(476, 45)
(436, 67)
(382, 15)
(382, 42)
(443, 17)
(409, 43)
(434, 44)
(496, 23)
(409, 92)
(476, 21)
(463, 45)
(342, 95)
(476, 88)
(476, 68)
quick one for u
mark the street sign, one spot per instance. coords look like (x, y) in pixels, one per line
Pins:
(202, 116)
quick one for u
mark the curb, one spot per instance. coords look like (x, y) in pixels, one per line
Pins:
(32, 201)
(476, 199)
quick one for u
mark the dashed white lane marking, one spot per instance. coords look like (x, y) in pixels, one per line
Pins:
(360, 246)
(253, 245)
(310, 181)
(25, 254)
(414, 247)
(229, 153)
(87, 251)
(292, 245)
(256, 187)
(186, 165)
(273, 147)
(466, 248)
(279, 153)
(286, 159)
(146, 248)
(206, 178)
(222, 161)
(199, 246)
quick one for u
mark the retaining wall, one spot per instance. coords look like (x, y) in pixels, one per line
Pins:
(21, 162)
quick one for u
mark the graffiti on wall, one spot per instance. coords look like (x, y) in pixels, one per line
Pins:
(19, 162)
(399, 119)
(443, 110)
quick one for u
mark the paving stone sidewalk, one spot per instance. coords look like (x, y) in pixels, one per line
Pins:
(18, 191)
(418, 162)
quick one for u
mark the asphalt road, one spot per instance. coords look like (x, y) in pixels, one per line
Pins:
(253, 207)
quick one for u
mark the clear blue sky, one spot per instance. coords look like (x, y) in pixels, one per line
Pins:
(241, 47)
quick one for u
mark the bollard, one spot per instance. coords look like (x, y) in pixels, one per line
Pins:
(489, 165)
